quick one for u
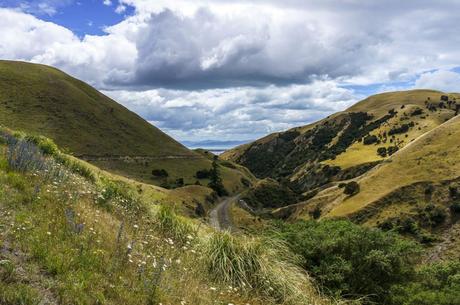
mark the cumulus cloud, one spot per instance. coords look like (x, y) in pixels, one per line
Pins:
(443, 80)
(235, 113)
(96, 59)
(243, 67)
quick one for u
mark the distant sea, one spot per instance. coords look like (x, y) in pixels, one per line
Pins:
(216, 147)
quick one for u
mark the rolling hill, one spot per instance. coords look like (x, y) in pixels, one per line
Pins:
(347, 144)
(42, 100)
(392, 160)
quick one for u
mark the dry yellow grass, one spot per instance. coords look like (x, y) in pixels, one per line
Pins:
(432, 157)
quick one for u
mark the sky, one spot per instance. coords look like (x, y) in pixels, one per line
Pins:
(227, 70)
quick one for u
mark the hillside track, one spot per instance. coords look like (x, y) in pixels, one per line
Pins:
(220, 217)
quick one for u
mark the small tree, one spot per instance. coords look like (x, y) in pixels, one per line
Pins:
(215, 180)
(180, 182)
(160, 173)
(352, 188)
(382, 152)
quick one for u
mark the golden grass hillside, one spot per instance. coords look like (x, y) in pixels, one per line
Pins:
(434, 156)
(347, 144)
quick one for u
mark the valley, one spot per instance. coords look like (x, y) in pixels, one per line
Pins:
(287, 219)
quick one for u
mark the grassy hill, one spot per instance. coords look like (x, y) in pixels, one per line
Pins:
(42, 100)
(392, 161)
(349, 143)
(71, 233)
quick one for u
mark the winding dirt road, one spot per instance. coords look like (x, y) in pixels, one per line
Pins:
(220, 217)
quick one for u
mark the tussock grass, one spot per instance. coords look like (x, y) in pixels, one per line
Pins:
(260, 265)
(173, 225)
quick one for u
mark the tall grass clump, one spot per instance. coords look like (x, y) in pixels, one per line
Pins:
(260, 265)
(173, 225)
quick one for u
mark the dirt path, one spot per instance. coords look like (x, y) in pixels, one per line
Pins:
(220, 217)
(138, 158)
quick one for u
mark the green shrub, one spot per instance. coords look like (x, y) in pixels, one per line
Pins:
(180, 182)
(160, 173)
(351, 188)
(203, 174)
(434, 284)
(392, 149)
(382, 152)
(432, 215)
(455, 208)
(269, 194)
(371, 139)
(350, 260)
(216, 180)
(245, 182)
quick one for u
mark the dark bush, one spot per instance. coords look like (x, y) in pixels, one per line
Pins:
(437, 283)
(371, 139)
(203, 174)
(453, 192)
(432, 215)
(417, 111)
(180, 182)
(160, 173)
(200, 210)
(316, 213)
(392, 149)
(382, 152)
(352, 188)
(408, 225)
(455, 208)
(400, 129)
(350, 260)
(215, 180)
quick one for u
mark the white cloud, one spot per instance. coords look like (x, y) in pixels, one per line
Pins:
(443, 80)
(210, 68)
(107, 2)
(235, 113)
(120, 9)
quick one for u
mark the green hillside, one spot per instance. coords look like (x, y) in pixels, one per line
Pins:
(42, 100)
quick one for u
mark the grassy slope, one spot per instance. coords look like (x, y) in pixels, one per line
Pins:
(358, 154)
(67, 240)
(434, 156)
(42, 100)
(379, 105)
